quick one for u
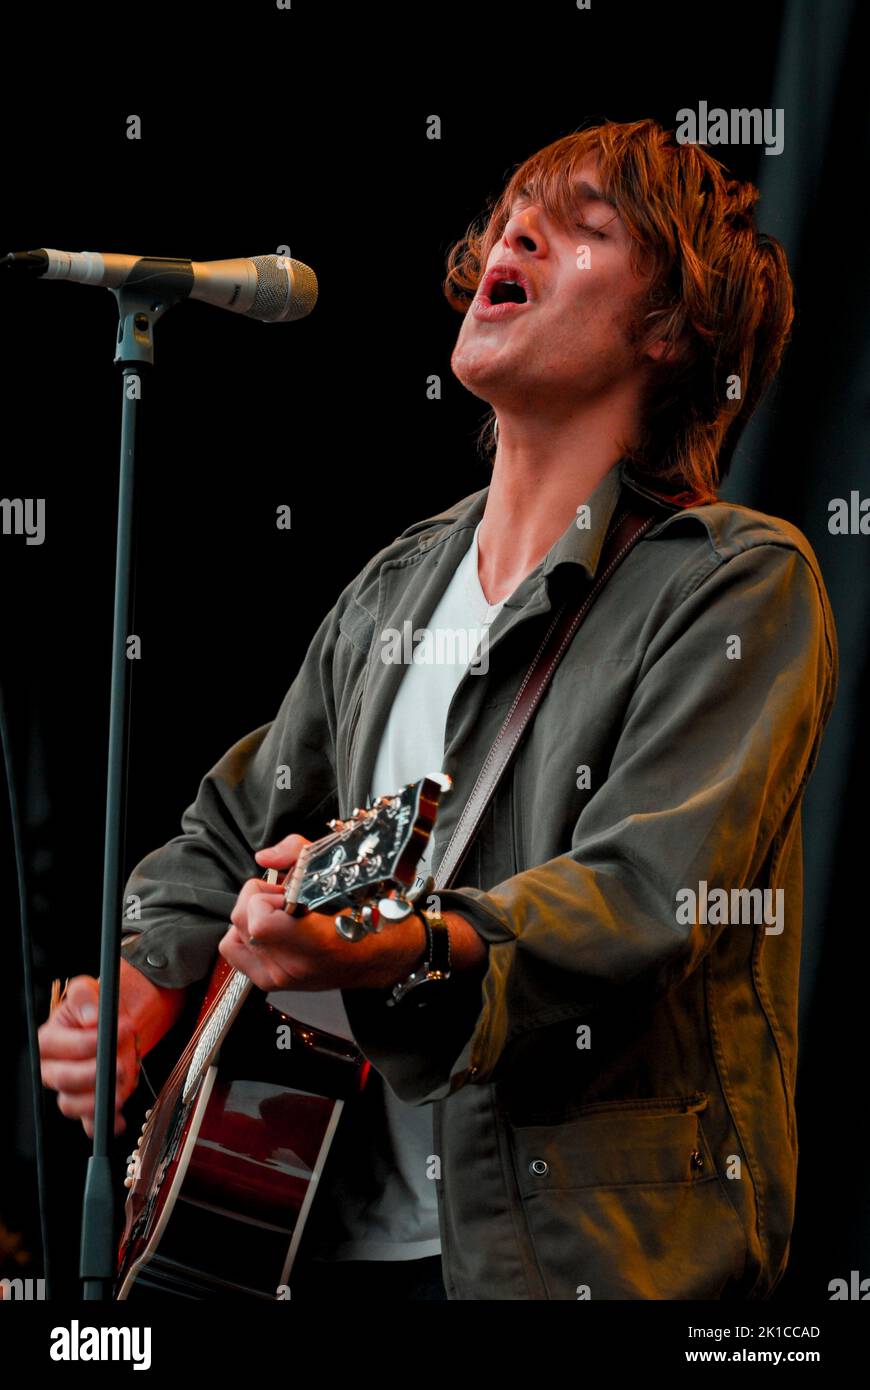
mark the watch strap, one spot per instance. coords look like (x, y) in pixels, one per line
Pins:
(437, 961)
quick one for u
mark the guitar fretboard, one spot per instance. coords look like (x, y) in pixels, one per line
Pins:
(214, 1029)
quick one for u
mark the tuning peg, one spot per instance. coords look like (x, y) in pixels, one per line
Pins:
(128, 1182)
(148, 1114)
(395, 909)
(353, 926)
(336, 824)
(371, 918)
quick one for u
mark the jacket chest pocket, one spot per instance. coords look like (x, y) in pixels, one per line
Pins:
(358, 625)
(624, 1202)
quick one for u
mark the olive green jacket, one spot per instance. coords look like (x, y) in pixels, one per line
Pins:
(614, 1100)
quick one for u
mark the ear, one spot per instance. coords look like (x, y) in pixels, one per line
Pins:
(663, 352)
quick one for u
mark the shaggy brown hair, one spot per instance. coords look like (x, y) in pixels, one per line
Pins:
(720, 293)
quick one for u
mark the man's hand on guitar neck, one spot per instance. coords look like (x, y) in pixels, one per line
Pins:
(278, 951)
(68, 1040)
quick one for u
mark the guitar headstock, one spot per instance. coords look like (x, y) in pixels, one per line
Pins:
(375, 850)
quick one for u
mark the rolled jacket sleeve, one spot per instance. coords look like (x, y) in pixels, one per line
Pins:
(278, 779)
(713, 753)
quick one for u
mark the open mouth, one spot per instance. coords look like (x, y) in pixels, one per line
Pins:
(508, 292)
(504, 291)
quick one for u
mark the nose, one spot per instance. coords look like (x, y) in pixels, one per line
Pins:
(524, 231)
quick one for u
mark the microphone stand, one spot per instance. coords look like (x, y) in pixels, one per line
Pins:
(140, 307)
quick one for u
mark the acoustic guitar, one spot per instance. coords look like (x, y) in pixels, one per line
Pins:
(225, 1172)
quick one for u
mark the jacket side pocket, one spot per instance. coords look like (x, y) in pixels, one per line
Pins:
(624, 1202)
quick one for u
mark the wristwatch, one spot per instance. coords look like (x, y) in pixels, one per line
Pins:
(436, 962)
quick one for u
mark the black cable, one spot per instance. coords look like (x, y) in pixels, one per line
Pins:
(29, 998)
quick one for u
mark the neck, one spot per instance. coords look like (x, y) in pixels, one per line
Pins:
(540, 477)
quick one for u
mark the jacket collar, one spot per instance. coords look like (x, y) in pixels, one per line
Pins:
(577, 545)
(409, 586)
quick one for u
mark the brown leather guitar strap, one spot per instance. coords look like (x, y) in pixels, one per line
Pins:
(627, 528)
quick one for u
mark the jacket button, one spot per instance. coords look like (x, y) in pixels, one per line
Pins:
(538, 1167)
(157, 959)
(697, 1159)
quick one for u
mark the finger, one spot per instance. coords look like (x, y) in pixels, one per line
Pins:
(78, 1077)
(235, 950)
(120, 1125)
(284, 854)
(252, 888)
(80, 1004)
(69, 1076)
(66, 1042)
(80, 1106)
(268, 924)
(247, 963)
(313, 932)
(57, 1040)
(83, 1015)
(253, 959)
(255, 964)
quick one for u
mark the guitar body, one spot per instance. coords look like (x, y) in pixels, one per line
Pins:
(225, 1172)
(224, 1177)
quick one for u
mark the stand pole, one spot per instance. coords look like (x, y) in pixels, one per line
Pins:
(139, 311)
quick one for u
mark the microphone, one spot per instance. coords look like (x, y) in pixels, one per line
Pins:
(273, 289)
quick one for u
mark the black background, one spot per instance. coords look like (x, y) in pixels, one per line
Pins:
(307, 129)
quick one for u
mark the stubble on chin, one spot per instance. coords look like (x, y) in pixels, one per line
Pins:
(478, 365)
(468, 368)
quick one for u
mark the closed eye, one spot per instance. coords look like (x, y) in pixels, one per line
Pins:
(584, 227)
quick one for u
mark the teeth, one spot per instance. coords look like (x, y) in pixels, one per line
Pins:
(507, 282)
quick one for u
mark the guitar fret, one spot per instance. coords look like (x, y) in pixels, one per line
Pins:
(215, 1027)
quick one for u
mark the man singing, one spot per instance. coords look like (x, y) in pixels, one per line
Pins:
(598, 1102)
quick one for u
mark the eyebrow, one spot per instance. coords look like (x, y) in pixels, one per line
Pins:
(589, 194)
(583, 190)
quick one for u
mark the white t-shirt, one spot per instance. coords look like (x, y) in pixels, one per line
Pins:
(395, 1215)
